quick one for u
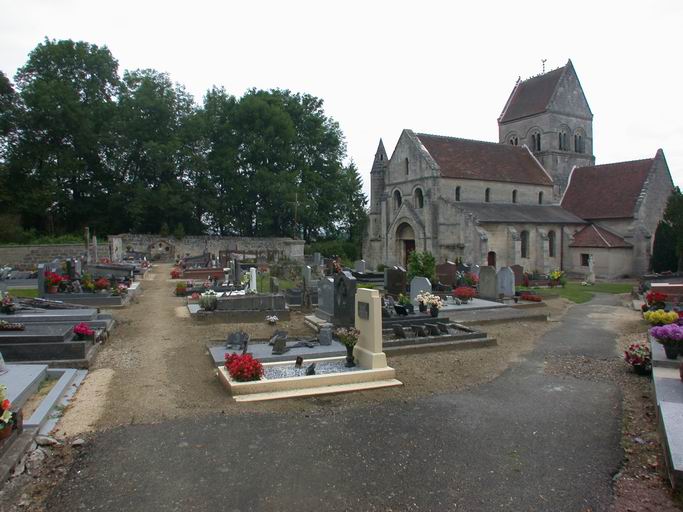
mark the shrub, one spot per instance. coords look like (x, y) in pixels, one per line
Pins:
(464, 292)
(347, 250)
(243, 367)
(421, 264)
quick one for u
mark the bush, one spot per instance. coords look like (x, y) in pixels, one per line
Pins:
(179, 232)
(347, 250)
(421, 264)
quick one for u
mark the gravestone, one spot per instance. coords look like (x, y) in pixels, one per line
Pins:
(317, 259)
(274, 285)
(505, 280)
(475, 269)
(395, 280)
(360, 266)
(237, 340)
(279, 346)
(419, 285)
(447, 273)
(41, 278)
(252, 280)
(325, 298)
(344, 298)
(518, 271)
(306, 274)
(368, 351)
(325, 335)
(488, 288)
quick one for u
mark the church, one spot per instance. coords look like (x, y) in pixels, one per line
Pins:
(535, 198)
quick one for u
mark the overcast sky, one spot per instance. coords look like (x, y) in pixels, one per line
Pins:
(437, 67)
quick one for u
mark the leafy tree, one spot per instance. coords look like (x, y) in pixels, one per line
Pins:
(58, 169)
(421, 264)
(673, 216)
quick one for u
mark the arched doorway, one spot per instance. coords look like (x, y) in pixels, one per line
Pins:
(405, 237)
(491, 259)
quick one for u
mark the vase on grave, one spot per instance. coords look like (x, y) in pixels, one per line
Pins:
(671, 350)
(422, 306)
(434, 311)
(52, 289)
(349, 357)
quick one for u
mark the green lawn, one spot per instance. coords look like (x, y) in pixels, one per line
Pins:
(23, 292)
(263, 284)
(574, 292)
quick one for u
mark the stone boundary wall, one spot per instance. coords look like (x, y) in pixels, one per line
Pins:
(27, 257)
(168, 248)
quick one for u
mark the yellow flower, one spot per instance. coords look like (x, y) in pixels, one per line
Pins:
(660, 316)
(6, 417)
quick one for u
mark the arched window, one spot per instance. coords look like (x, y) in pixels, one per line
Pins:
(540, 198)
(397, 199)
(419, 198)
(514, 196)
(407, 167)
(551, 244)
(578, 143)
(457, 193)
(487, 195)
(524, 237)
(536, 141)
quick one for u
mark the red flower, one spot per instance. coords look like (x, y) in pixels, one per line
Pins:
(655, 297)
(243, 368)
(5, 404)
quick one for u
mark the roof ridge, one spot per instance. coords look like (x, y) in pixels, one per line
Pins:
(544, 74)
(600, 235)
(498, 144)
(638, 160)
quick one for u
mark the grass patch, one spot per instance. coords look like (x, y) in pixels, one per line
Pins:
(30, 293)
(574, 292)
(263, 284)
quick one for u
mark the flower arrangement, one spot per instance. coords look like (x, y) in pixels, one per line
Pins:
(272, 319)
(471, 279)
(556, 275)
(638, 354)
(87, 283)
(9, 326)
(243, 367)
(102, 284)
(655, 298)
(181, 289)
(208, 300)
(176, 273)
(244, 280)
(7, 305)
(430, 300)
(52, 279)
(667, 334)
(7, 419)
(119, 289)
(403, 299)
(348, 336)
(83, 330)
(660, 317)
(464, 293)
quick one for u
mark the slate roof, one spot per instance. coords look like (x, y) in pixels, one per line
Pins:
(531, 96)
(488, 161)
(596, 236)
(607, 191)
(515, 213)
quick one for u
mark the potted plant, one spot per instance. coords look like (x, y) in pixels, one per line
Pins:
(243, 367)
(102, 284)
(8, 420)
(272, 319)
(464, 293)
(52, 281)
(431, 301)
(208, 300)
(181, 289)
(404, 300)
(83, 331)
(471, 279)
(660, 317)
(557, 278)
(655, 300)
(639, 356)
(671, 338)
(7, 305)
(349, 338)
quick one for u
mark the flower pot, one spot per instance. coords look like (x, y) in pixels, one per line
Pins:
(6, 432)
(434, 312)
(349, 357)
(671, 350)
(52, 289)
(422, 307)
(642, 369)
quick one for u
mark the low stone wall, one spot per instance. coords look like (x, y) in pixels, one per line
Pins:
(27, 257)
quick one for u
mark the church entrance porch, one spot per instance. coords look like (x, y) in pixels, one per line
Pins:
(405, 239)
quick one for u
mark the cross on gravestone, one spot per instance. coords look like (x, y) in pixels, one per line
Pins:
(419, 285)
(505, 280)
(488, 285)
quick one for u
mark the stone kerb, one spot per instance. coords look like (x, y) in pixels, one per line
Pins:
(368, 349)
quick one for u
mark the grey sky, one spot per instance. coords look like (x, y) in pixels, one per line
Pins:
(437, 67)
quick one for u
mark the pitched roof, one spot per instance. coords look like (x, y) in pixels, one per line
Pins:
(488, 161)
(520, 213)
(531, 96)
(596, 236)
(608, 191)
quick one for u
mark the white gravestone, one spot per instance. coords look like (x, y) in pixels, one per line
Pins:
(506, 282)
(419, 285)
(252, 280)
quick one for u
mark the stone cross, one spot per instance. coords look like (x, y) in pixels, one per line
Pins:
(368, 350)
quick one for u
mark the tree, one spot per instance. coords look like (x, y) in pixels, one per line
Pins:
(673, 216)
(664, 249)
(58, 168)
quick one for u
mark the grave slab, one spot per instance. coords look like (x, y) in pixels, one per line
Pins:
(263, 352)
(22, 380)
(37, 333)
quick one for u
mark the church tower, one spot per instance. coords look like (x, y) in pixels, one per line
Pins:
(377, 174)
(549, 114)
